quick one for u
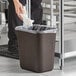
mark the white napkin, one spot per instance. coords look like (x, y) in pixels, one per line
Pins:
(27, 22)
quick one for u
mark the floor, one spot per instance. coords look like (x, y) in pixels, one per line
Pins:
(11, 67)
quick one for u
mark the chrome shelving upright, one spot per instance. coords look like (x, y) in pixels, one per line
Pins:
(71, 13)
(3, 5)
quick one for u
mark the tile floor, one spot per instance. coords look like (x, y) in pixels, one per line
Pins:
(11, 67)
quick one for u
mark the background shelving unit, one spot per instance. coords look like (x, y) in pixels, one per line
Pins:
(63, 16)
(3, 6)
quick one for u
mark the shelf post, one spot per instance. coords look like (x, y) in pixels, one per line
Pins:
(61, 33)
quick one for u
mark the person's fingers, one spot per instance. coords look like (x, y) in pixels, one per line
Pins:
(19, 14)
(17, 11)
(22, 9)
(20, 17)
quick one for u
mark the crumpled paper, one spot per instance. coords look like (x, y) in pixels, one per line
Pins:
(27, 22)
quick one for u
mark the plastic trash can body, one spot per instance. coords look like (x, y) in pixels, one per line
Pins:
(36, 51)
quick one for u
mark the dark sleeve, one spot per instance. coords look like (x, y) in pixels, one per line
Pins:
(10, 1)
(36, 3)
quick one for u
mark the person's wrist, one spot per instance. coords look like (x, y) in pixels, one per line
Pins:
(16, 1)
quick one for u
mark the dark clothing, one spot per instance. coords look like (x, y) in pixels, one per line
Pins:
(36, 14)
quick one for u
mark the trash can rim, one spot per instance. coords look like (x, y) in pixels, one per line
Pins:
(21, 28)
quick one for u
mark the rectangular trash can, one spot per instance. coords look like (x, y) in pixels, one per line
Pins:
(36, 46)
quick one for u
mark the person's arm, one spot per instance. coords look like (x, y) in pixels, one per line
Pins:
(18, 8)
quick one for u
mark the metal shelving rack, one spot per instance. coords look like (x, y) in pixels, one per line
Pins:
(60, 12)
(64, 13)
(3, 5)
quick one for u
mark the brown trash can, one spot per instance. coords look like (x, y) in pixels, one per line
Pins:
(36, 48)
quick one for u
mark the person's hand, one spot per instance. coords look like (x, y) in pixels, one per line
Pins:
(19, 9)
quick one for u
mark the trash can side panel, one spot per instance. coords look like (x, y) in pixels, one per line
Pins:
(36, 51)
(47, 46)
(28, 50)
